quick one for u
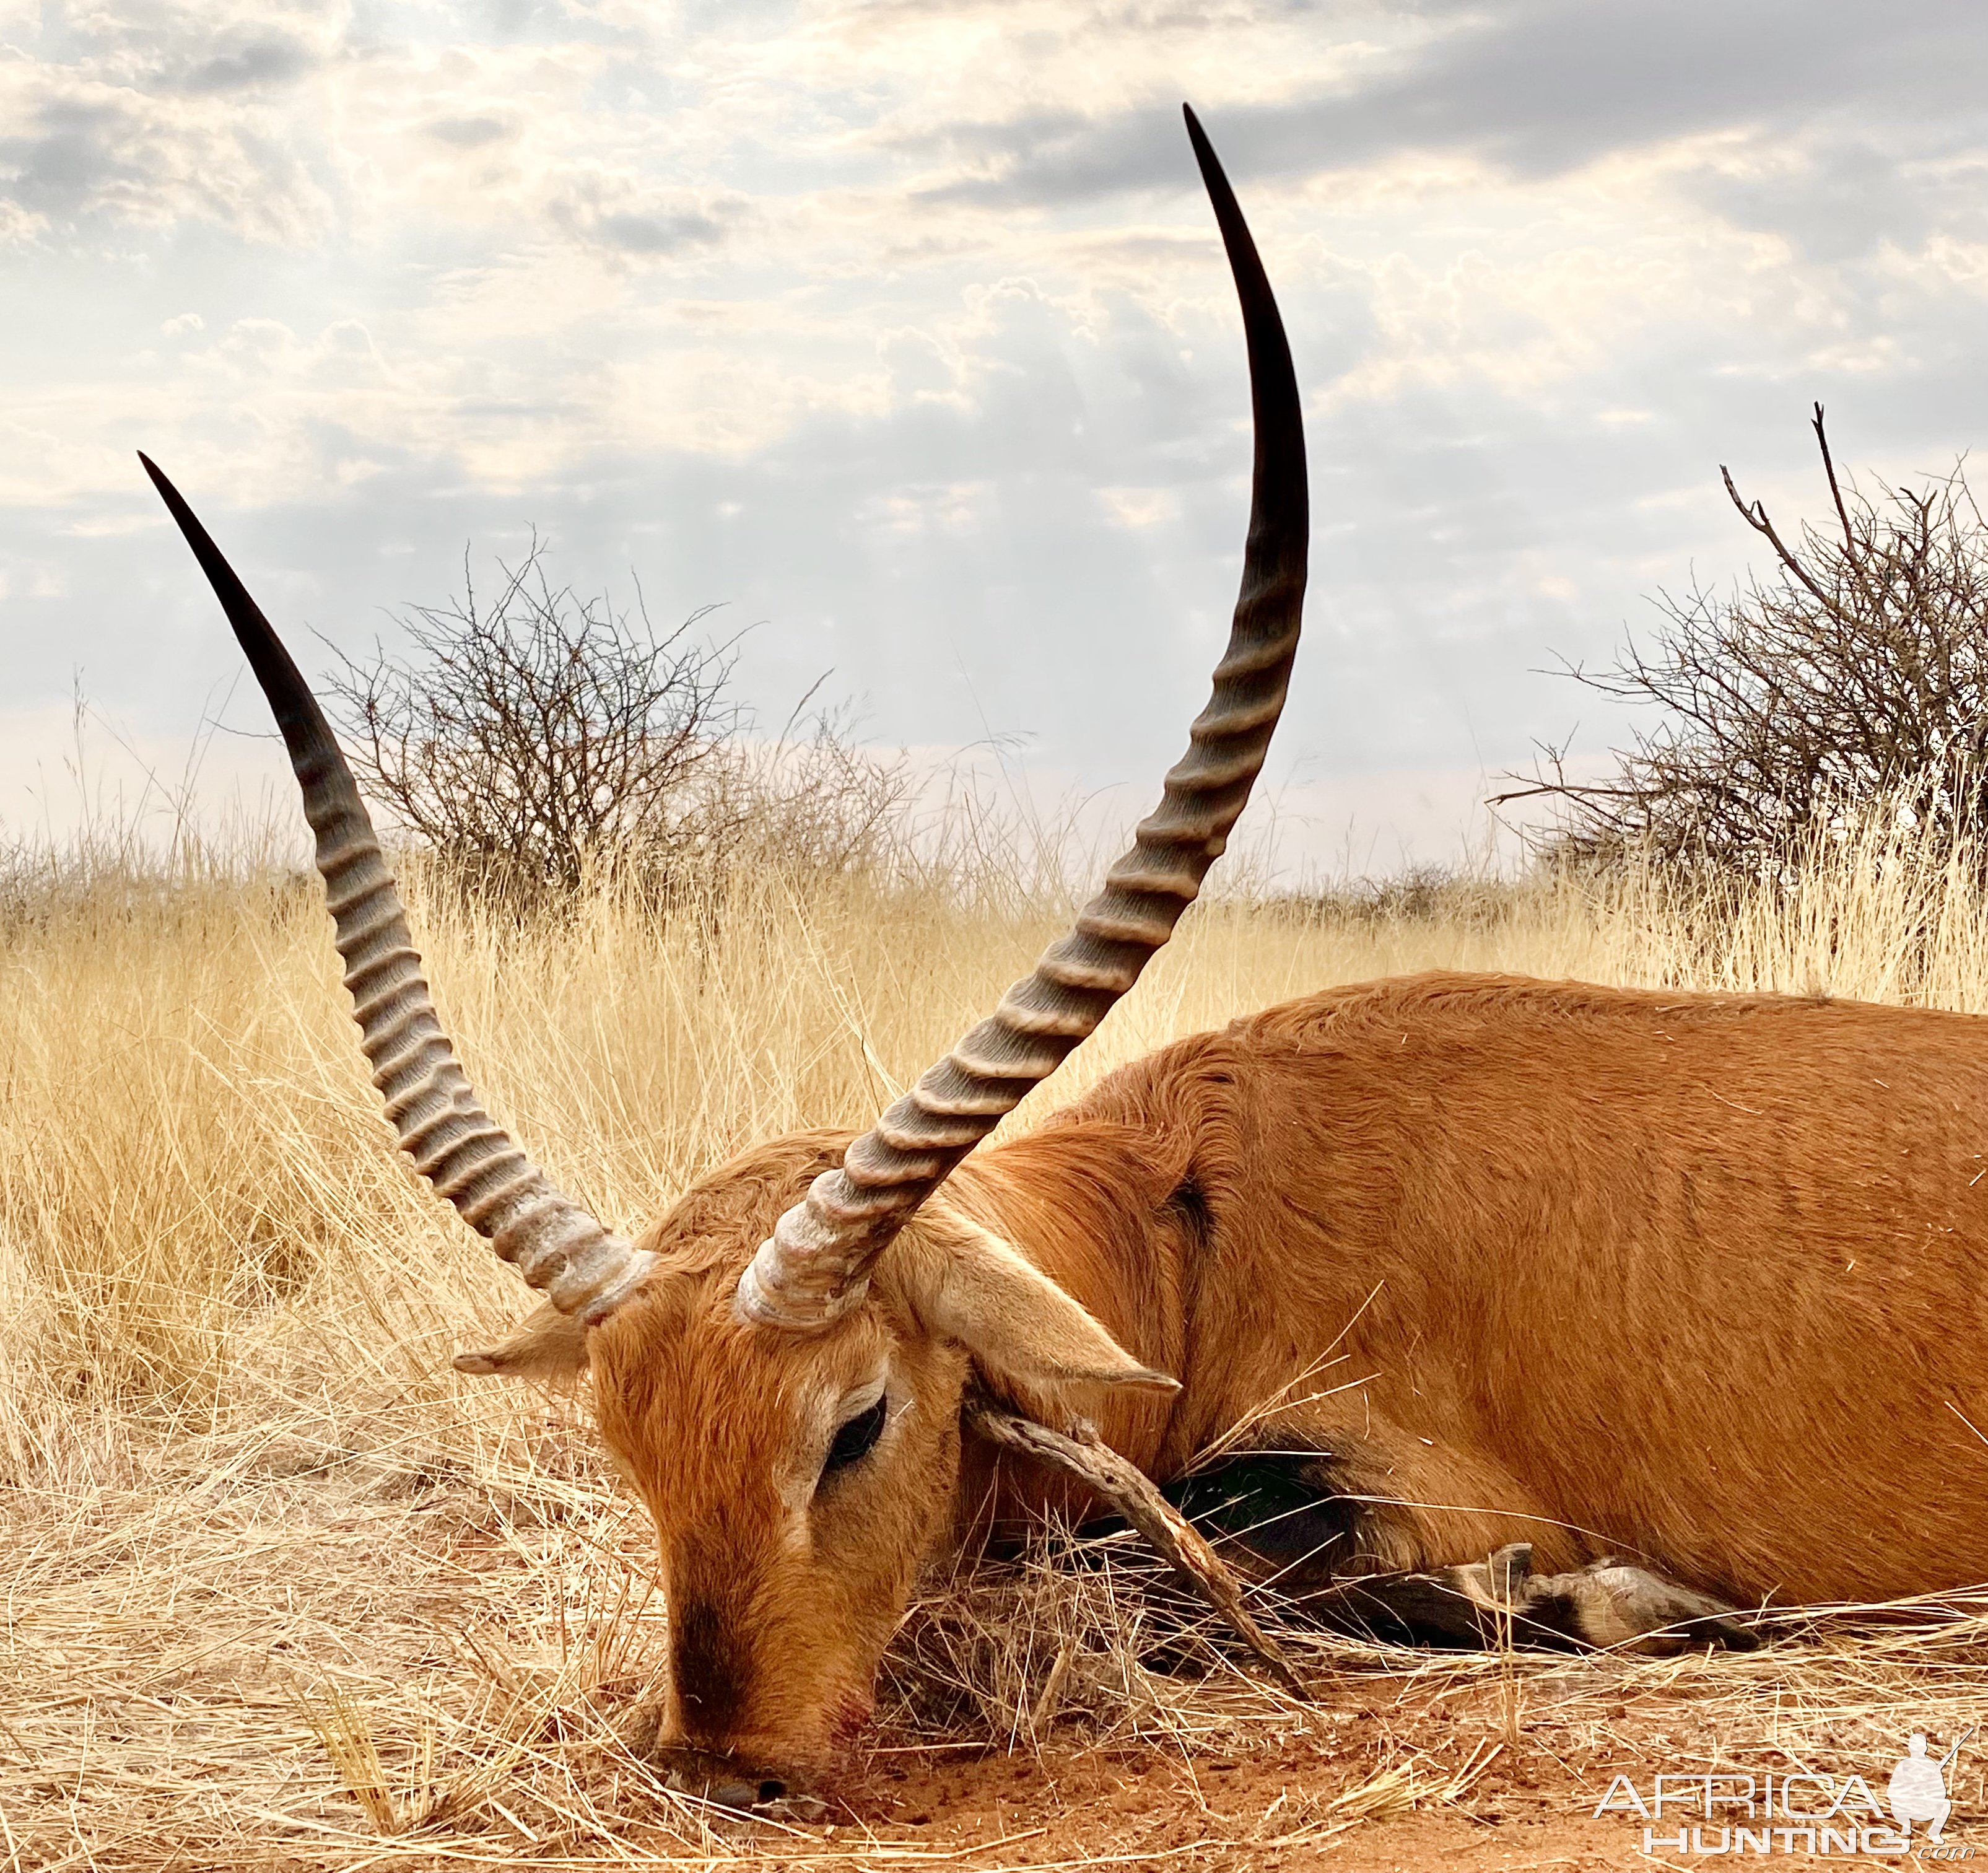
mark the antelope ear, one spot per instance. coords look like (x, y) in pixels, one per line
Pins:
(968, 1284)
(549, 1345)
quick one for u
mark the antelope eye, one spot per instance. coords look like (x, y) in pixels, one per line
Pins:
(855, 1440)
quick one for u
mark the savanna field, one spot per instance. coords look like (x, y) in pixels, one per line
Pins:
(281, 1589)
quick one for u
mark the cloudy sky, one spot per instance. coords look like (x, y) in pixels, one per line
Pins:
(897, 328)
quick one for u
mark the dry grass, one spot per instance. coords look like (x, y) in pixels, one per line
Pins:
(279, 1588)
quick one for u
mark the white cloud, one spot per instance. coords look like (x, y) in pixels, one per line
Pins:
(1139, 507)
(158, 115)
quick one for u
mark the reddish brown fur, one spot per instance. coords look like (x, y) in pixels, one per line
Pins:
(1700, 1274)
(706, 1418)
(1697, 1278)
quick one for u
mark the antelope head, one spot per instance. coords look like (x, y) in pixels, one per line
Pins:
(779, 1365)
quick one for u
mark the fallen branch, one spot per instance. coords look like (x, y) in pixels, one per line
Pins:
(1082, 1454)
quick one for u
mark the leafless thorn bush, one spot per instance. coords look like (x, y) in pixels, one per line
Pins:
(1857, 669)
(1427, 895)
(539, 742)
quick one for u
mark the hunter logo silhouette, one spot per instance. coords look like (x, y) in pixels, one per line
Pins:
(1917, 1790)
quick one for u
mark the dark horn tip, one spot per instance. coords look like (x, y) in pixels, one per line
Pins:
(297, 714)
(177, 506)
(1214, 179)
(1204, 150)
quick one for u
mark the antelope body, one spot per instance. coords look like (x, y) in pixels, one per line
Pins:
(1660, 1302)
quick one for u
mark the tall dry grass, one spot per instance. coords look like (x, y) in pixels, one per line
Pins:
(277, 1582)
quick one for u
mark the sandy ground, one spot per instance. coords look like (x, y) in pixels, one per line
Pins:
(1284, 1809)
(262, 1656)
(1355, 1790)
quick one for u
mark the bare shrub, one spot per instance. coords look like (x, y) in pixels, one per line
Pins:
(534, 740)
(1427, 894)
(540, 741)
(813, 801)
(1857, 670)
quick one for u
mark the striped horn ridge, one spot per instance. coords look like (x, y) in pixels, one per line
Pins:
(470, 1159)
(815, 1267)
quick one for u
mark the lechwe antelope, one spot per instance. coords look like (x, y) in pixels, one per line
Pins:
(1689, 1279)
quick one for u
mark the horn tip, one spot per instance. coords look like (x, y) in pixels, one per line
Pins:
(1214, 178)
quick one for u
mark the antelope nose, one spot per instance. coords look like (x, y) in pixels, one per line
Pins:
(737, 1794)
(714, 1778)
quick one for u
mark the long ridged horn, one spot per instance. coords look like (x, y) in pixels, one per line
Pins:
(815, 1267)
(456, 1145)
